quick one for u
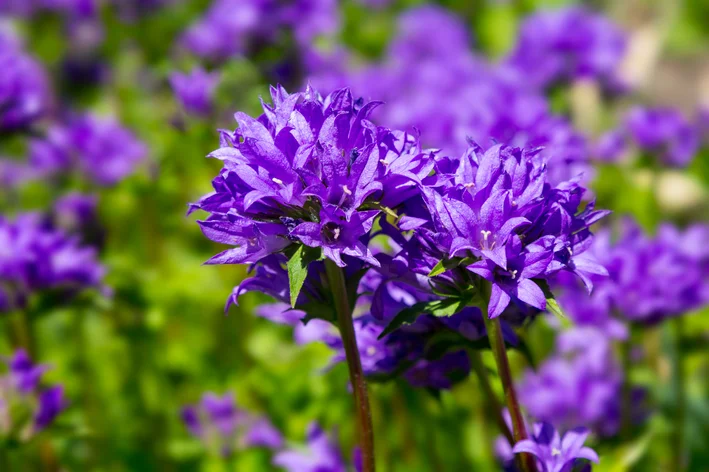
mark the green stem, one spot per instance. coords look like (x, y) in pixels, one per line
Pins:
(497, 344)
(22, 333)
(338, 287)
(493, 404)
(680, 397)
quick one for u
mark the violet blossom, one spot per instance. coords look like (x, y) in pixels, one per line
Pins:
(20, 392)
(221, 425)
(564, 45)
(555, 453)
(97, 147)
(321, 454)
(195, 90)
(35, 258)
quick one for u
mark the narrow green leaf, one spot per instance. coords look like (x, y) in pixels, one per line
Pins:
(438, 269)
(553, 306)
(298, 269)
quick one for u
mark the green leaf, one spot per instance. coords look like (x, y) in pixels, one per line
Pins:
(438, 269)
(445, 307)
(553, 306)
(298, 269)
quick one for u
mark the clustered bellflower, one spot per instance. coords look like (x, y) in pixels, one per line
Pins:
(567, 44)
(20, 392)
(580, 384)
(322, 454)
(195, 90)
(97, 147)
(639, 266)
(232, 27)
(221, 425)
(661, 133)
(308, 171)
(497, 211)
(36, 258)
(25, 93)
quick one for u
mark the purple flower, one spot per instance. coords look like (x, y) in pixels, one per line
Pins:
(567, 44)
(639, 266)
(75, 212)
(97, 147)
(22, 398)
(498, 209)
(554, 453)
(227, 27)
(219, 423)
(303, 172)
(24, 87)
(309, 19)
(51, 403)
(580, 384)
(665, 133)
(321, 455)
(24, 375)
(195, 90)
(440, 374)
(35, 258)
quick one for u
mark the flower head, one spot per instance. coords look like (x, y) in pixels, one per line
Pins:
(195, 90)
(322, 454)
(555, 453)
(220, 424)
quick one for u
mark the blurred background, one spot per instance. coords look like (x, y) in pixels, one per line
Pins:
(119, 101)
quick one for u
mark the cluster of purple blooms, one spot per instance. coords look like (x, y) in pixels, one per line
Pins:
(221, 425)
(25, 95)
(233, 27)
(224, 427)
(416, 79)
(20, 391)
(662, 134)
(195, 90)
(579, 385)
(37, 258)
(636, 290)
(96, 147)
(316, 172)
(564, 45)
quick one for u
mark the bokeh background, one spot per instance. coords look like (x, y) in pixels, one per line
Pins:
(131, 357)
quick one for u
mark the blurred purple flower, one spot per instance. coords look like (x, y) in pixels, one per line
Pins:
(25, 94)
(219, 423)
(664, 133)
(35, 258)
(322, 454)
(24, 375)
(51, 403)
(98, 147)
(195, 90)
(639, 266)
(564, 45)
(580, 384)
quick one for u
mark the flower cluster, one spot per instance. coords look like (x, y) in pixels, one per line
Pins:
(322, 454)
(552, 452)
(195, 90)
(496, 213)
(20, 393)
(231, 27)
(97, 147)
(310, 171)
(417, 81)
(661, 133)
(36, 258)
(639, 266)
(225, 428)
(564, 45)
(24, 87)
(580, 384)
